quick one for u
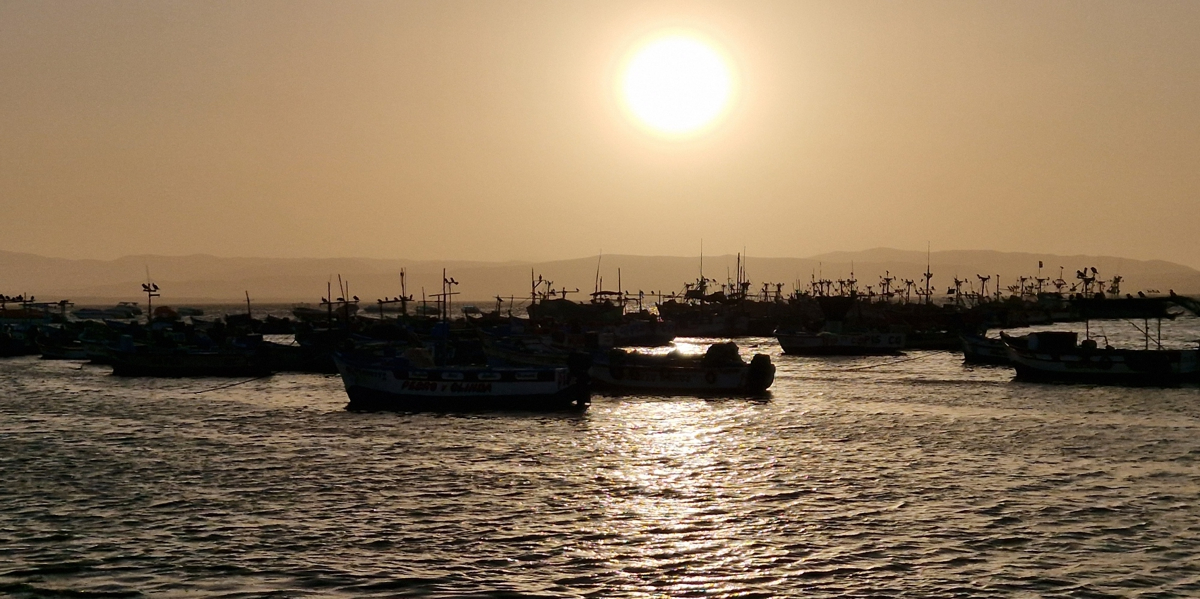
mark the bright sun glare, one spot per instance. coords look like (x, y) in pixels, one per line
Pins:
(677, 84)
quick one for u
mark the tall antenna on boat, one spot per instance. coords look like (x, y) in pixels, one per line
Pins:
(151, 292)
(928, 271)
(403, 293)
(328, 299)
(597, 280)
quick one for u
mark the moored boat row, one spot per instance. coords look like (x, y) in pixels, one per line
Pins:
(490, 361)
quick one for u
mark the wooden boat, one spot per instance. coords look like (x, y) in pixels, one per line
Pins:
(188, 362)
(721, 369)
(122, 311)
(57, 349)
(981, 349)
(841, 344)
(410, 384)
(18, 340)
(241, 360)
(298, 358)
(1059, 356)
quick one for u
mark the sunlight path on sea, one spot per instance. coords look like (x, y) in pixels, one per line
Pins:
(859, 476)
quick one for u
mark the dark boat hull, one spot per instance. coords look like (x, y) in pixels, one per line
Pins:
(978, 349)
(395, 385)
(1134, 379)
(748, 379)
(830, 344)
(188, 365)
(1063, 361)
(363, 399)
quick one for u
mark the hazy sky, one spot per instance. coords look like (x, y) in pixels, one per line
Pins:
(493, 130)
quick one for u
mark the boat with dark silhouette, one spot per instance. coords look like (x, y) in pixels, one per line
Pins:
(828, 343)
(238, 358)
(833, 339)
(121, 311)
(1061, 356)
(980, 349)
(60, 342)
(720, 370)
(17, 340)
(413, 381)
(188, 362)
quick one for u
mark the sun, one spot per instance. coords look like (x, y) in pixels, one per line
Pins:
(677, 84)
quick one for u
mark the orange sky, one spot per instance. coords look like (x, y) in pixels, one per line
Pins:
(492, 130)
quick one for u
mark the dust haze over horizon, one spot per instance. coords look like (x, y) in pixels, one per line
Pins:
(496, 131)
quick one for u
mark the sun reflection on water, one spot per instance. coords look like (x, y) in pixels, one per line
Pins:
(674, 515)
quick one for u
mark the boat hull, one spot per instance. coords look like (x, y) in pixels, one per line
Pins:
(747, 379)
(376, 387)
(830, 344)
(1108, 366)
(62, 352)
(978, 349)
(182, 365)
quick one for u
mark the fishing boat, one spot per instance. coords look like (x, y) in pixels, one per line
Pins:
(122, 311)
(56, 342)
(828, 343)
(720, 369)
(981, 349)
(1060, 356)
(17, 341)
(412, 382)
(189, 362)
(298, 358)
(239, 359)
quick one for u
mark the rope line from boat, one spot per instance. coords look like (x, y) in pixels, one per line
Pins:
(219, 387)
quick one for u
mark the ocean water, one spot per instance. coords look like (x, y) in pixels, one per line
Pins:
(858, 477)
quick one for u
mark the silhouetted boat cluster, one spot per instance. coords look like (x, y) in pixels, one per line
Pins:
(411, 356)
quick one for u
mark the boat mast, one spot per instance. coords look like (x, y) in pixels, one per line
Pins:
(597, 280)
(403, 293)
(928, 273)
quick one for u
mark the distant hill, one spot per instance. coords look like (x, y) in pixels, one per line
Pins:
(203, 278)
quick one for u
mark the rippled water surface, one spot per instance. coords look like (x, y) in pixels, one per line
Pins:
(912, 476)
